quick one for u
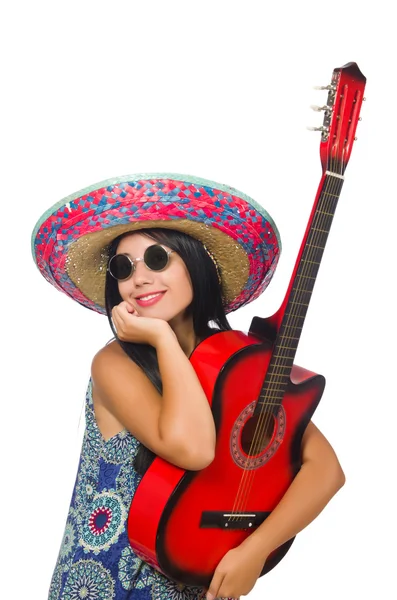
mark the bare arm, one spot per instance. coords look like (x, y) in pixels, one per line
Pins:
(318, 480)
(186, 414)
(178, 426)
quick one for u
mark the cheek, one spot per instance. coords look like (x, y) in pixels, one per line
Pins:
(123, 289)
(189, 288)
(182, 284)
(127, 289)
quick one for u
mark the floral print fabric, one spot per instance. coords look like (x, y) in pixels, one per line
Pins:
(95, 561)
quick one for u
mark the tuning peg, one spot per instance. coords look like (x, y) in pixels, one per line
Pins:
(320, 108)
(325, 87)
(322, 129)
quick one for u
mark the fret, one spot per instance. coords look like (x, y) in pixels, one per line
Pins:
(301, 290)
(270, 391)
(284, 363)
(287, 347)
(322, 230)
(270, 386)
(280, 377)
(279, 374)
(323, 221)
(270, 378)
(279, 347)
(313, 246)
(323, 212)
(268, 403)
(294, 303)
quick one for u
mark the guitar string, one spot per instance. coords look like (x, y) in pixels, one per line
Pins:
(308, 265)
(265, 417)
(334, 185)
(330, 184)
(312, 244)
(309, 252)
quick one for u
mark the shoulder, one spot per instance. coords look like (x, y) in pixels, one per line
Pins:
(109, 359)
(110, 349)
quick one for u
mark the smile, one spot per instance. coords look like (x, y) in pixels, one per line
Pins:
(149, 299)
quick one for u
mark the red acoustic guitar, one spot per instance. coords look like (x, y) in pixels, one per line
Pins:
(182, 522)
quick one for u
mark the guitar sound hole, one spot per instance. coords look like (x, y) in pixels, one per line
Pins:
(257, 433)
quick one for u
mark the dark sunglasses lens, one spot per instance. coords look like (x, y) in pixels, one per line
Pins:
(120, 267)
(156, 258)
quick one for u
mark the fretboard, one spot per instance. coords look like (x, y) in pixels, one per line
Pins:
(298, 296)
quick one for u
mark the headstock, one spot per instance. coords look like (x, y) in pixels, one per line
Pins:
(341, 115)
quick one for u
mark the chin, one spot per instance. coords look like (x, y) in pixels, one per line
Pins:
(171, 314)
(155, 313)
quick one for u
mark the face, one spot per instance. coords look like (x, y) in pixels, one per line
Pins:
(173, 282)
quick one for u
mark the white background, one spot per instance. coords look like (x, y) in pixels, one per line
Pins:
(220, 90)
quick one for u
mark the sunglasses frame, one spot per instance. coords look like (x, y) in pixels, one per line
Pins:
(135, 260)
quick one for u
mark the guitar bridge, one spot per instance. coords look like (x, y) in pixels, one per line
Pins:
(241, 520)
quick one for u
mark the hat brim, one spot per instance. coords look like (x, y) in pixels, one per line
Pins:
(70, 241)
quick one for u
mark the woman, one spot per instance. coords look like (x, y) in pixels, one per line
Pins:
(166, 257)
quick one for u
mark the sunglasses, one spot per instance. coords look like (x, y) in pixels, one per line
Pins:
(122, 266)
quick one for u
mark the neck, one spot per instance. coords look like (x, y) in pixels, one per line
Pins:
(183, 329)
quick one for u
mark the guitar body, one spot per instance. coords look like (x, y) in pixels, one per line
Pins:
(176, 520)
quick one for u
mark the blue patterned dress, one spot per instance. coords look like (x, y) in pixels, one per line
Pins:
(95, 560)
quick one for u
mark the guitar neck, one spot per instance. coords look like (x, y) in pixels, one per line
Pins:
(290, 317)
(292, 312)
(341, 114)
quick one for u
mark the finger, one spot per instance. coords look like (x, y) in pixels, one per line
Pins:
(127, 308)
(131, 310)
(119, 313)
(121, 308)
(215, 585)
(117, 321)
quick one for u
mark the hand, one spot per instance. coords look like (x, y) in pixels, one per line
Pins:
(131, 327)
(236, 573)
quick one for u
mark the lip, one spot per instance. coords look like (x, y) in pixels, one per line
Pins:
(150, 302)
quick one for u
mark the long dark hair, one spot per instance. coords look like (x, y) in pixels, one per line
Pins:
(207, 308)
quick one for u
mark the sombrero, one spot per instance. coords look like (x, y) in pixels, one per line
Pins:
(70, 240)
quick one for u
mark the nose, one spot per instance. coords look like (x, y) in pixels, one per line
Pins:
(142, 274)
